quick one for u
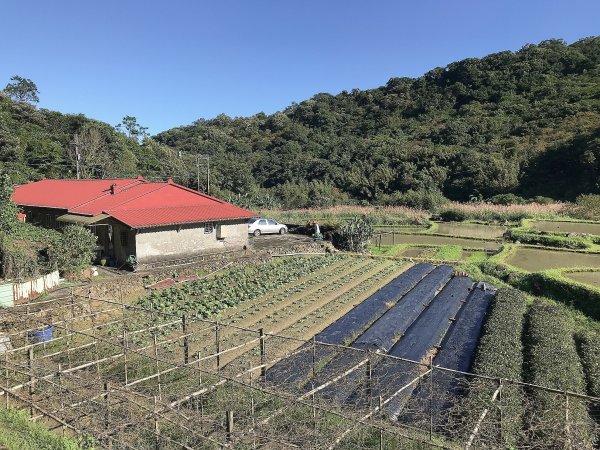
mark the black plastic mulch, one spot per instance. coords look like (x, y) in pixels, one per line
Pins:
(457, 352)
(424, 334)
(295, 369)
(382, 335)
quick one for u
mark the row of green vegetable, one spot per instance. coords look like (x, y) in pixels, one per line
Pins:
(206, 298)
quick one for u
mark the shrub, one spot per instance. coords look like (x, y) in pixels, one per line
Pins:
(507, 199)
(354, 236)
(453, 215)
(552, 361)
(18, 259)
(541, 200)
(8, 210)
(74, 250)
(430, 200)
(589, 350)
(587, 207)
(549, 240)
(500, 354)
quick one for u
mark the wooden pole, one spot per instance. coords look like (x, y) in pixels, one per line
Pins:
(199, 371)
(7, 376)
(156, 364)
(107, 411)
(567, 426)
(29, 368)
(263, 369)
(218, 346)
(370, 383)
(60, 391)
(156, 427)
(431, 398)
(380, 430)
(229, 424)
(186, 349)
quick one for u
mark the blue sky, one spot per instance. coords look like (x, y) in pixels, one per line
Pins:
(171, 62)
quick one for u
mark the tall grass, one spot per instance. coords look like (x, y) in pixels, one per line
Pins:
(489, 212)
(380, 215)
(402, 215)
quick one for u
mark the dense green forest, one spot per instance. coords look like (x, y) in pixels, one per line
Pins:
(525, 122)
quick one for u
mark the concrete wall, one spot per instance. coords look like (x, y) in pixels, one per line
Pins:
(176, 242)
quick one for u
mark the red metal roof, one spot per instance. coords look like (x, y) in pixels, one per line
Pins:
(148, 217)
(137, 203)
(66, 194)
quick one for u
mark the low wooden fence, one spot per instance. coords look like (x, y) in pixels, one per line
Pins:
(11, 293)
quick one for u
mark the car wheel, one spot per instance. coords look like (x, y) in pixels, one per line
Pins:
(256, 233)
(282, 231)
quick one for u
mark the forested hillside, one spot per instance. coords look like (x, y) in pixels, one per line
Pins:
(525, 122)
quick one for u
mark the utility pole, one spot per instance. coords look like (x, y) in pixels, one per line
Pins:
(198, 173)
(76, 144)
(208, 174)
(198, 157)
(207, 171)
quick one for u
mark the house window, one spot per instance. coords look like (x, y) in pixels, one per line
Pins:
(124, 238)
(208, 228)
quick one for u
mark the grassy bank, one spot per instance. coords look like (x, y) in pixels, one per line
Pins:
(17, 432)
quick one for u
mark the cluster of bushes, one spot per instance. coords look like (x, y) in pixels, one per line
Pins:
(500, 354)
(549, 284)
(553, 361)
(484, 215)
(586, 207)
(354, 235)
(30, 250)
(429, 200)
(74, 250)
(549, 240)
(513, 199)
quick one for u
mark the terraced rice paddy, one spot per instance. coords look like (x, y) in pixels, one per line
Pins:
(566, 227)
(470, 230)
(535, 260)
(420, 239)
(591, 278)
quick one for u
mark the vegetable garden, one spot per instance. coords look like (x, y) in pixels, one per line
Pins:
(316, 352)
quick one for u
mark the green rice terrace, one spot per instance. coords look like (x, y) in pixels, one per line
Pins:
(448, 335)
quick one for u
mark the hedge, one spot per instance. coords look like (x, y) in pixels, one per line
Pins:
(499, 354)
(552, 361)
(589, 351)
(548, 240)
(548, 284)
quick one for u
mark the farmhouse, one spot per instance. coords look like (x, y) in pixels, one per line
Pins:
(151, 221)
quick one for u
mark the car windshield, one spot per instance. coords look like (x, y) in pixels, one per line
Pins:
(252, 220)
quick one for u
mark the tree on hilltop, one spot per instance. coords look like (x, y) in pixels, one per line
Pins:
(22, 90)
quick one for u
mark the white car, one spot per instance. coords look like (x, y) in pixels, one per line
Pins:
(260, 226)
